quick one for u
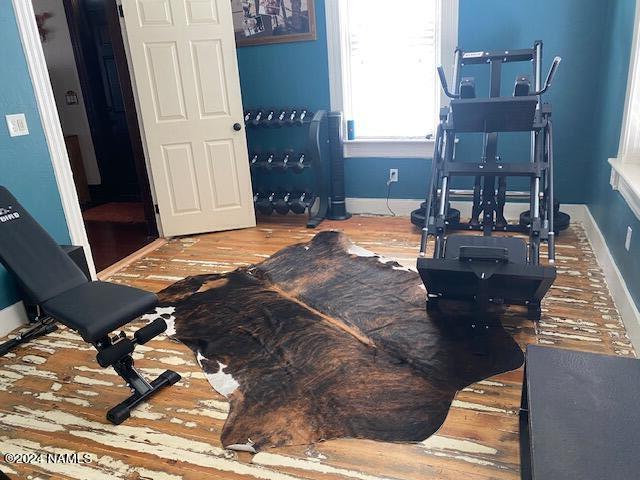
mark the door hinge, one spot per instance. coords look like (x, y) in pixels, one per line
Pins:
(155, 205)
(120, 11)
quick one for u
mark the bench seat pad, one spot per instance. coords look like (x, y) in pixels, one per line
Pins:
(96, 309)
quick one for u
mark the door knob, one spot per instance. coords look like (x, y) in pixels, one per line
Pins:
(237, 127)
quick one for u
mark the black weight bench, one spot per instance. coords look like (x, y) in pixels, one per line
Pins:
(53, 282)
(579, 416)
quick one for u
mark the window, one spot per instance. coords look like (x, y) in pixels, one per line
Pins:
(625, 169)
(382, 63)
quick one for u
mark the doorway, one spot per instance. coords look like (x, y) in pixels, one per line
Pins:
(85, 56)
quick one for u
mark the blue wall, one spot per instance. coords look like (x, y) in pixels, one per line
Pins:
(25, 164)
(297, 74)
(567, 29)
(289, 74)
(594, 39)
(609, 209)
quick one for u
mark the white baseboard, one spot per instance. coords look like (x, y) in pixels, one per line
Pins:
(617, 286)
(402, 207)
(12, 317)
(378, 206)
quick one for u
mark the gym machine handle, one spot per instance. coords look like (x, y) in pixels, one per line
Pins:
(445, 86)
(547, 82)
(550, 75)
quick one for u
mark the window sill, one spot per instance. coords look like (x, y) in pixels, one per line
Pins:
(389, 148)
(625, 178)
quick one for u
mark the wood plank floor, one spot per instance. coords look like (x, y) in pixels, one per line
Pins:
(53, 395)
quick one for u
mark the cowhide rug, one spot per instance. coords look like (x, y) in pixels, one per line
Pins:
(326, 340)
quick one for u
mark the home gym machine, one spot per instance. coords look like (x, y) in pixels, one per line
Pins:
(487, 269)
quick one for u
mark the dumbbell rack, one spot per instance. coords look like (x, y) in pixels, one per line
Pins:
(315, 151)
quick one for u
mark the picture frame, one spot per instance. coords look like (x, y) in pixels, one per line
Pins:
(262, 22)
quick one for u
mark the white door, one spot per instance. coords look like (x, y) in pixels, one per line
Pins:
(183, 59)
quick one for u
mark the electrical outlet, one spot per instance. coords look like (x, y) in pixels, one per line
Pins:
(393, 175)
(17, 125)
(627, 240)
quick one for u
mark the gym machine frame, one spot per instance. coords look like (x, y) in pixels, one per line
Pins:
(486, 269)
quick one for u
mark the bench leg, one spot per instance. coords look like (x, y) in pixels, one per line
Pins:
(141, 388)
(534, 311)
(40, 328)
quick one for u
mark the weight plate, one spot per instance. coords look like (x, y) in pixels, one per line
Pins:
(561, 220)
(417, 216)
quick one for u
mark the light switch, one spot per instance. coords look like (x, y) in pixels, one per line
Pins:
(17, 124)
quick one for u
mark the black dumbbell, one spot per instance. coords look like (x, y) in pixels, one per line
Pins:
(291, 117)
(264, 203)
(280, 118)
(301, 118)
(269, 118)
(253, 160)
(299, 203)
(257, 118)
(282, 164)
(281, 203)
(268, 163)
(299, 165)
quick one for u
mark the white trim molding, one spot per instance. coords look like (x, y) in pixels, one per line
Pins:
(335, 11)
(389, 148)
(448, 42)
(625, 169)
(615, 281)
(403, 207)
(37, 65)
(629, 146)
(12, 317)
(339, 75)
(625, 178)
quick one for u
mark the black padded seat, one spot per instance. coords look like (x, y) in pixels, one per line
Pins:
(495, 114)
(96, 309)
(516, 247)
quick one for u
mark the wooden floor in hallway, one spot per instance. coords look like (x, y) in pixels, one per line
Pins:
(53, 394)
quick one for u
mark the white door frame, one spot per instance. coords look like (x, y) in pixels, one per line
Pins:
(34, 56)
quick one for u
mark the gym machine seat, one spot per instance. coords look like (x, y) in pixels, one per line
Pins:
(50, 280)
(494, 266)
(488, 269)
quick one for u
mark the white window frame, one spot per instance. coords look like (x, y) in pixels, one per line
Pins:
(625, 170)
(337, 41)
